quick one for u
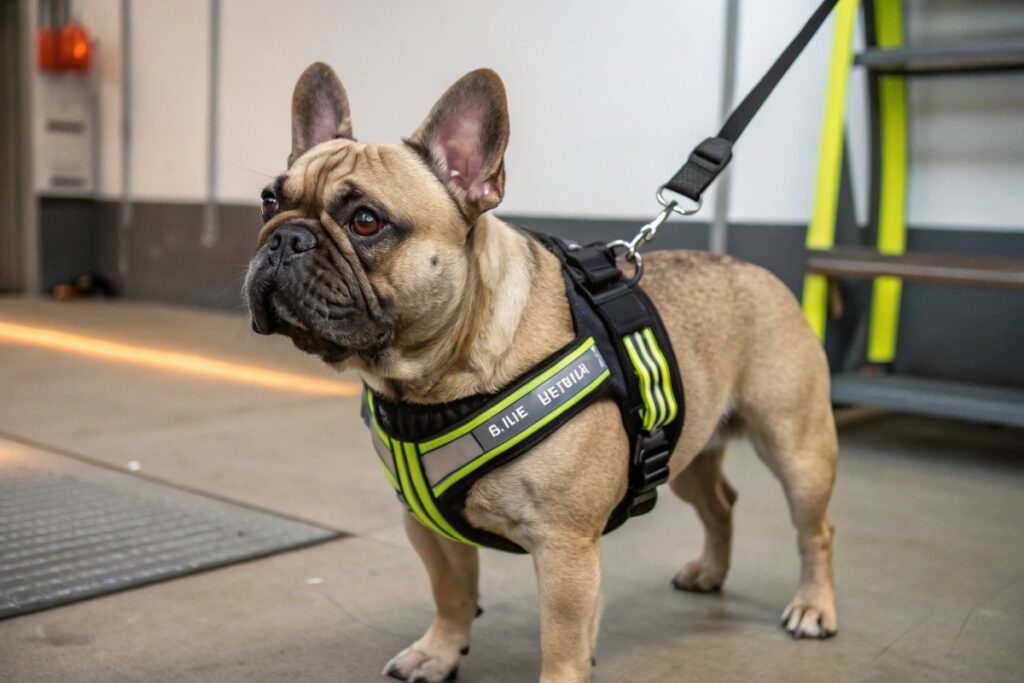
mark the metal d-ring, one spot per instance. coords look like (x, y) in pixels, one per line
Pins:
(675, 205)
(631, 255)
(638, 269)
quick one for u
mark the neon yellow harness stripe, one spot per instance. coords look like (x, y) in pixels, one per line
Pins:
(483, 459)
(666, 378)
(409, 493)
(428, 446)
(645, 383)
(657, 381)
(821, 232)
(423, 492)
(892, 229)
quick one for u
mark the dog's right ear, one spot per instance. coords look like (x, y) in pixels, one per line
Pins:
(319, 110)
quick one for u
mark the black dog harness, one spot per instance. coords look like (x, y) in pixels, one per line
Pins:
(433, 454)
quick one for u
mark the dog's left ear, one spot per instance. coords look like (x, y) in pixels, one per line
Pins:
(319, 109)
(464, 139)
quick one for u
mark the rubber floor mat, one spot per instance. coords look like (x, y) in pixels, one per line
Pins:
(70, 530)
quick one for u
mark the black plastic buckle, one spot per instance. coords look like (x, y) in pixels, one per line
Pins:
(596, 263)
(652, 458)
(650, 472)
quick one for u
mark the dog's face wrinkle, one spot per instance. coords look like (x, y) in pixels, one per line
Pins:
(345, 266)
(327, 291)
(319, 292)
(285, 316)
(330, 164)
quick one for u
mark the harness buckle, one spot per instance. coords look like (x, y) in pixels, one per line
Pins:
(652, 456)
(650, 470)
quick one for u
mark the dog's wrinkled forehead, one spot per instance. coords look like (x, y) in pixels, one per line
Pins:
(391, 176)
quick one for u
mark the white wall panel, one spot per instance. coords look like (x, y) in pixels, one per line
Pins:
(606, 98)
(966, 146)
(169, 98)
(103, 18)
(775, 163)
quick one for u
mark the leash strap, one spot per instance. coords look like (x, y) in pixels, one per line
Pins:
(710, 157)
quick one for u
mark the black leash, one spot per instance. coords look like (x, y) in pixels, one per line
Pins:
(709, 158)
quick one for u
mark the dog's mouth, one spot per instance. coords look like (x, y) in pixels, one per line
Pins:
(272, 314)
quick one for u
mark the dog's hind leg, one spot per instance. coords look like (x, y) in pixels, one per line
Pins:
(454, 570)
(703, 485)
(794, 433)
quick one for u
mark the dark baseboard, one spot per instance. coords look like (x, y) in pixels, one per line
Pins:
(951, 333)
(68, 243)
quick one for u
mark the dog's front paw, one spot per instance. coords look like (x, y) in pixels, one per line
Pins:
(416, 665)
(810, 618)
(699, 577)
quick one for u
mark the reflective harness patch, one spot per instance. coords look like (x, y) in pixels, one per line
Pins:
(423, 472)
(651, 368)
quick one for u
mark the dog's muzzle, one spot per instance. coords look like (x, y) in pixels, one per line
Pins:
(300, 287)
(280, 265)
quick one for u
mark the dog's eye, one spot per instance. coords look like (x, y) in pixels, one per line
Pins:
(268, 203)
(365, 223)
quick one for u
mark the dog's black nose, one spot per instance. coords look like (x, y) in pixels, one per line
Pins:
(290, 240)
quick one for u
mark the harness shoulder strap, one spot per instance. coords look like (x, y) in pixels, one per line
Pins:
(653, 405)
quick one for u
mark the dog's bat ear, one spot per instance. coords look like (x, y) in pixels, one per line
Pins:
(319, 109)
(464, 139)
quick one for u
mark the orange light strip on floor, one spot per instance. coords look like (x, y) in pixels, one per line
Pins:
(173, 361)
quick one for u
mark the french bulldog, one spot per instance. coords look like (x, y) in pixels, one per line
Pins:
(386, 259)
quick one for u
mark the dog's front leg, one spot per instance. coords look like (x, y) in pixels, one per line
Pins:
(454, 570)
(569, 582)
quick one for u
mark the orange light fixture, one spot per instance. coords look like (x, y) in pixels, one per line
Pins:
(75, 48)
(68, 48)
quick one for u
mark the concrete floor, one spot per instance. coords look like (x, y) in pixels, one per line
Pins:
(929, 552)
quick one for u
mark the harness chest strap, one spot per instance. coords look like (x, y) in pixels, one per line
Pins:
(433, 468)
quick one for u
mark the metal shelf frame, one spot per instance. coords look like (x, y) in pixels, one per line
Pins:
(862, 342)
(943, 60)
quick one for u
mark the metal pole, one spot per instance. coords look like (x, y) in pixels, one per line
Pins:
(718, 237)
(126, 141)
(208, 236)
(28, 21)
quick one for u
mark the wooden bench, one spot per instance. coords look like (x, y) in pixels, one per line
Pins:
(860, 263)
